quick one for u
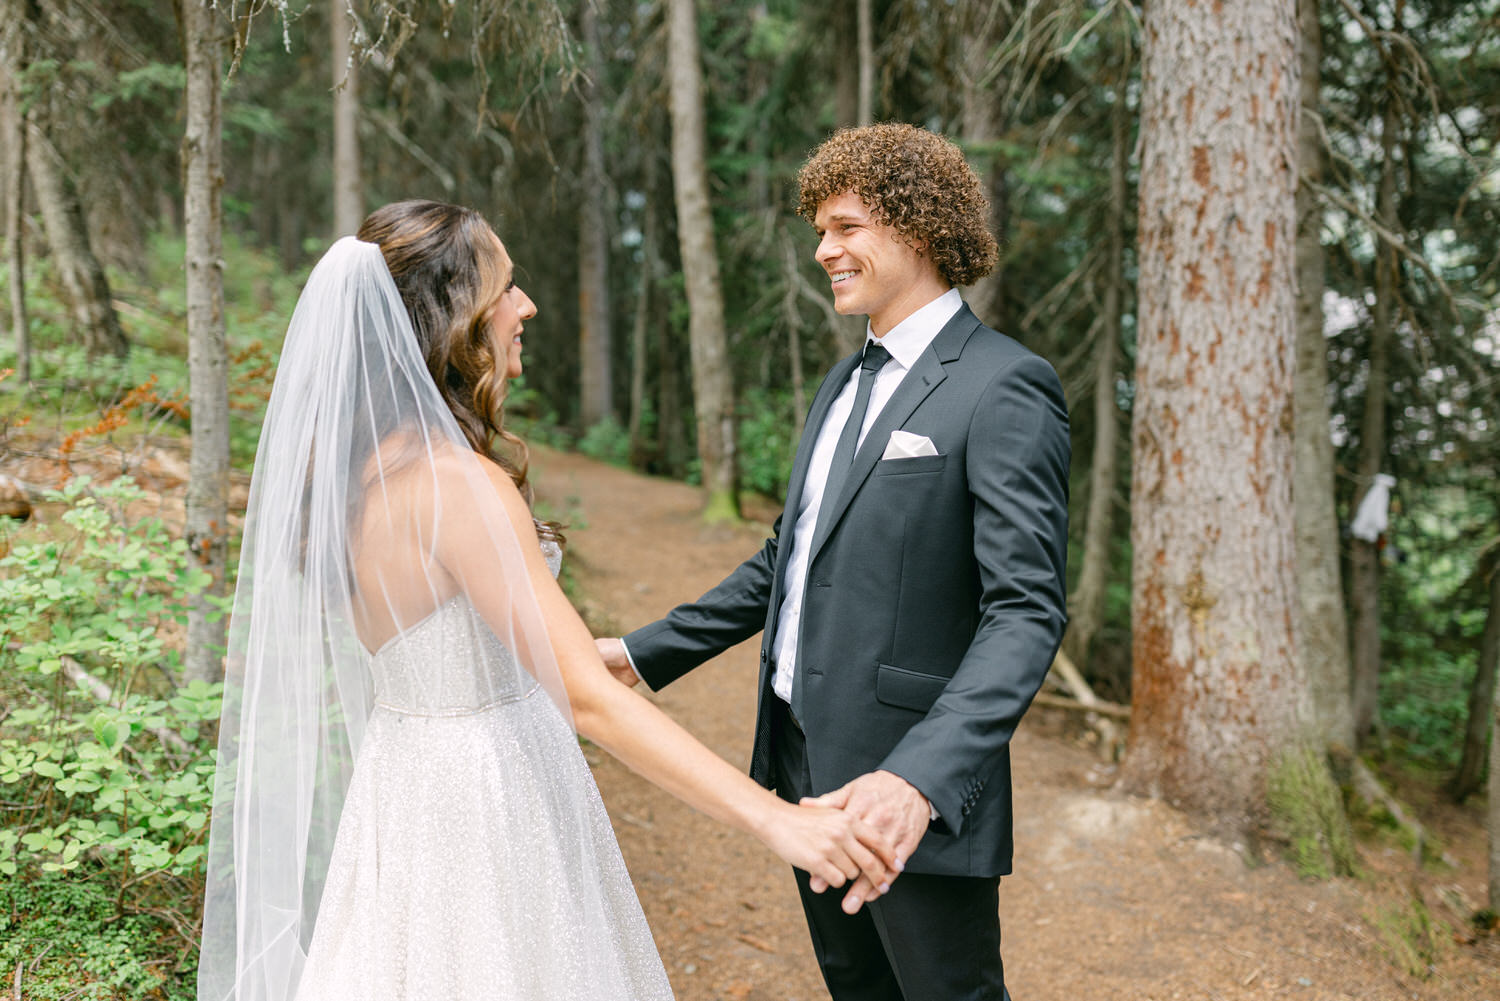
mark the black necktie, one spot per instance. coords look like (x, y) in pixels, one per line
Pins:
(843, 456)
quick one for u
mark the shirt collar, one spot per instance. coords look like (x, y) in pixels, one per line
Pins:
(908, 339)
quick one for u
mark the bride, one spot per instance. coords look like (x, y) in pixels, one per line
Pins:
(402, 808)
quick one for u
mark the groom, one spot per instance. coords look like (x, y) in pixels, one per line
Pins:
(912, 595)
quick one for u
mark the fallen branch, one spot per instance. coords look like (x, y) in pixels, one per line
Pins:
(80, 676)
(1368, 787)
(1111, 709)
(1081, 697)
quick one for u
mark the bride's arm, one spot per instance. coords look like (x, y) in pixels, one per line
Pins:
(826, 843)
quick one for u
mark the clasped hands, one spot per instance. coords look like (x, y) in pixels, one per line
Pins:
(859, 835)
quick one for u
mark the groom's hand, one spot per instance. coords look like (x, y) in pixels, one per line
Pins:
(890, 805)
(612, 652)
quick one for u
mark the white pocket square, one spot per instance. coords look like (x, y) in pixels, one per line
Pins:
(905, 445)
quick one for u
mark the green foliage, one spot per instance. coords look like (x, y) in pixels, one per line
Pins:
(767, 442)
(70, 389)
(1409, 936)
(106, 764)
(1309, 810)
(74, 945)
(1432, 617)
(607, 441)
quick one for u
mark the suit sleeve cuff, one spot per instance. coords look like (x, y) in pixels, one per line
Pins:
(629, 659)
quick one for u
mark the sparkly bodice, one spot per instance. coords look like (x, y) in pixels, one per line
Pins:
(451, 663)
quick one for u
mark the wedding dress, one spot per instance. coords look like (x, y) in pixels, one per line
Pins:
(415, 823)
(454, 874)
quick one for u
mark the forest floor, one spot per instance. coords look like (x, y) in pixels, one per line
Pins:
(1112, 897)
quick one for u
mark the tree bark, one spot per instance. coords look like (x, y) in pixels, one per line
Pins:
(595, 345)
(348, 189)
(1325, 629)
(1491, 627)
(83, 278)
(844, 24)
(1086, 604)
(13, 59)
(1364, 557)
(1217, 697)
(982, 117)
(712, 394)
(208, 363)
(639, 342)
(1479, 732)
(866, 45)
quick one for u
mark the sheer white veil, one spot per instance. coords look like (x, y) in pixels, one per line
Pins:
(368, 512)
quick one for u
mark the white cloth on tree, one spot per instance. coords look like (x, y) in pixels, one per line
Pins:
(1370, 519)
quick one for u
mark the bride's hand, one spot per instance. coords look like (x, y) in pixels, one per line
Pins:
(834, 846)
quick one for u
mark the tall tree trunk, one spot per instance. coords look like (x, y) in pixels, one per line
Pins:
(982, 120)
(1218, 698)
(348, 189)
(639, 342)
(1364, 557)
(844, 25)
(596, 397)
(1480, 730)
(13, 62)
(866, 47)
(1492, 637)
(1324, 652)
(208, 362)
(1086, 604)
(713, 402)
(669, 420)
(82, 275)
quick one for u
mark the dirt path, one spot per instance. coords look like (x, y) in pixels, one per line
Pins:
(1113, 897)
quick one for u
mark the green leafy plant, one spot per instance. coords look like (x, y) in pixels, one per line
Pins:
(106, 761)
(607, 441)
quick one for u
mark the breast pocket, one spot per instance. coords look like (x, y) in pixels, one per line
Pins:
(913, 464)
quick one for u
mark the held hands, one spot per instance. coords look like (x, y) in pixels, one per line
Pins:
(834, 847)
(890, 806)
(612, 652)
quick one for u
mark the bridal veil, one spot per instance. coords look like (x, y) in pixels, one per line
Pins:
(368, 512)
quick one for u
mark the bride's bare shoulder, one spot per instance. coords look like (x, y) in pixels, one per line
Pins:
(473, 479)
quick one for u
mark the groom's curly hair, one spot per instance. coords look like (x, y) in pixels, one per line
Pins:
(914, 181)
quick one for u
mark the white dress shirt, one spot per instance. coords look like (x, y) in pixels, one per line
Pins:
(905, 341)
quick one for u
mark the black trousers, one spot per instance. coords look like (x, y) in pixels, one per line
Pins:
(931, 938)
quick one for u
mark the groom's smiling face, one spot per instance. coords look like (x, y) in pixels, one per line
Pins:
(874, 270)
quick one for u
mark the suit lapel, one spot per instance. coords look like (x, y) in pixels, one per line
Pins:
(925, 376)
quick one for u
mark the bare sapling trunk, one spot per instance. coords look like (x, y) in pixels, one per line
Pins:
(1479, 732)
(1364, 556)
(1086, 604)
(866, 47)
(82, 274)
(348, 188)
(13, 121)
(1325, 628)
(595, 347)
(1491, 650)
(208, 362)
(713, 401)
(1219, 710)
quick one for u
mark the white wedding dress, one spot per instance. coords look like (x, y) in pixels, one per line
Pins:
(460, 870)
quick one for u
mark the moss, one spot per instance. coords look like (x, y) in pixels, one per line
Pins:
(1409, 936)
(1308, 810)
(722, 508)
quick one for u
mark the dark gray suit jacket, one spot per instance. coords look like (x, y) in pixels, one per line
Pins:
(935, 595)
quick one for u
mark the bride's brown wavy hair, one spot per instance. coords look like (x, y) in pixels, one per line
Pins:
(444, 261)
